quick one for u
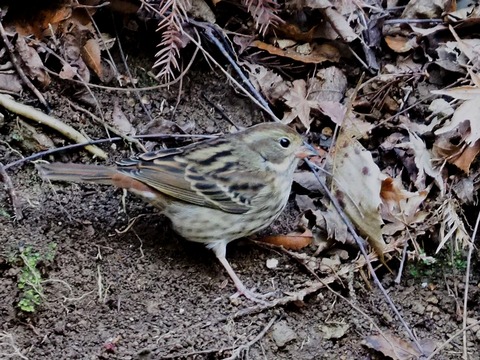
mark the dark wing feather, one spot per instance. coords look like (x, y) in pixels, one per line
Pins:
(192, 174)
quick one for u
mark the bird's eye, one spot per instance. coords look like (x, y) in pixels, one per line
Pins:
(284, 142)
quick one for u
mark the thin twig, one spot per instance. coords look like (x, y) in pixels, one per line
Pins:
(17, 209)
(33, 114)
(15, 62)
(238, 351)
(467, 281)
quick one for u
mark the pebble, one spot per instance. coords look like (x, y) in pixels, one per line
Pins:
(418, 308)
(282, 334)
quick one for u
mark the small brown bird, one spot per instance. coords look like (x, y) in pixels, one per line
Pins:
(213, 191)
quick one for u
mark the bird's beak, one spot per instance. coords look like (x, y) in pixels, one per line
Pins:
(306, 150)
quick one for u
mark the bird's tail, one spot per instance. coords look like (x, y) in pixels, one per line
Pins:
(79, 173)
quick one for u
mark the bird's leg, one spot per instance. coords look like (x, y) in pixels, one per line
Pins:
(220, 249)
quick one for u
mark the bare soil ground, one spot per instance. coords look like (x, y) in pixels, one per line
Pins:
(114, 291)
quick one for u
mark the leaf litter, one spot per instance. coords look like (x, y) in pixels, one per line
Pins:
(400, 151)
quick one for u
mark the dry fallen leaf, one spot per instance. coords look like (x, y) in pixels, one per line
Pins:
(297, 99)
(33, 65)
(423, 162)
(272, 85)
(91, 56)
(292, 241)
(317, 55)
(398, 349)
(357, 184)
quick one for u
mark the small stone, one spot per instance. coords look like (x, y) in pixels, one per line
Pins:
(418, 308)
(272, 263)
(282, 334)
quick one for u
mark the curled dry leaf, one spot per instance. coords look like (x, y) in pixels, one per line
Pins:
(401, 208)
(319, 52)
(272, 86)
(401, 44)
(292, 241)
(42, 21)
(91, 56)
(32, 64)
(357, 184)
(425, 9)
(398, 349)
(339, 24)
(467, 111)
(423, 162)
(465, 156)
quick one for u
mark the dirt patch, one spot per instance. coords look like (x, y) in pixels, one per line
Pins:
(144, 293)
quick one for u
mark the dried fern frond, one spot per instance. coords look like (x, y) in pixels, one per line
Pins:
(452, 226)
(263, 13)
(174, 14)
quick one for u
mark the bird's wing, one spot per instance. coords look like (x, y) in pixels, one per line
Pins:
(229, 188)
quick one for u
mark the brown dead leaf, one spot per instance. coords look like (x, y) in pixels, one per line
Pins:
(67, 72)
(464, 161)
(42, 21)
(32, 139)
(33, 65)
(292, 241)
(330, 221)
(124, 6)
(391, 192)
(317, 55)
(401, 44)
(425, 9)
(467, 111)
(401, 208)
(334, 110)
(293, 31)
(91, 56)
